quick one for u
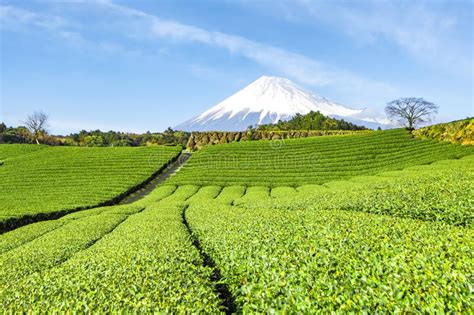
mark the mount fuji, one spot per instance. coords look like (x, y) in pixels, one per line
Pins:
(268, 100)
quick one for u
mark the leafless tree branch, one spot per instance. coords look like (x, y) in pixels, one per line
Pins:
(37, 124)
(411, 111)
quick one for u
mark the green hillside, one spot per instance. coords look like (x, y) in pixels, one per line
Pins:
(384, 243)
(311, 160)
(461, 131)
(41, 179)
(13, 150)
(379, 222)
(338, 247)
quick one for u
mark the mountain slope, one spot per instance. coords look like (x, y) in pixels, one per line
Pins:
(265, 101)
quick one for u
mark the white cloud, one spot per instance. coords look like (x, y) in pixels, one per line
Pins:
(141, 26)
(12, 17)
(426, 31)
(301, 68)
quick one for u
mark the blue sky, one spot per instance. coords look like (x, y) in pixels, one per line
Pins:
(146, 65)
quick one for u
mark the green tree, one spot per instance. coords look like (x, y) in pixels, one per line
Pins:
(94, 141)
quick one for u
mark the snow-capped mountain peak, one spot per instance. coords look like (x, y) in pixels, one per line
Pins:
(266, 100)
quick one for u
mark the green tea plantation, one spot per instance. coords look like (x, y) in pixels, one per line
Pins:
(36, 180)
(312, 160)
(379, 222)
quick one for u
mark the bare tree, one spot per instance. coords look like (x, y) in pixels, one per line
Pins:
(37, 124)
(411, 111)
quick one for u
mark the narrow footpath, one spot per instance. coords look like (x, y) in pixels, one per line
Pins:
(151, 185)
(133, 195)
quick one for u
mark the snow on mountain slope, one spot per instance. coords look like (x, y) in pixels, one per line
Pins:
(264, 101)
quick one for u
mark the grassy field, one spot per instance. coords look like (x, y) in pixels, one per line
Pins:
(10, 151)
(311, 160)
(39, 179)
(392, 237)
(148, 263)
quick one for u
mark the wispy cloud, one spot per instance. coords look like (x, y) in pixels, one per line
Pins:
(429, 32)
(141, 26)
(12, 17)
(301, 68)
(18, 19)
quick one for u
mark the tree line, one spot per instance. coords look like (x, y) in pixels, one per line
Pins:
(311, 121)
(409, 112)
(35, 131)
